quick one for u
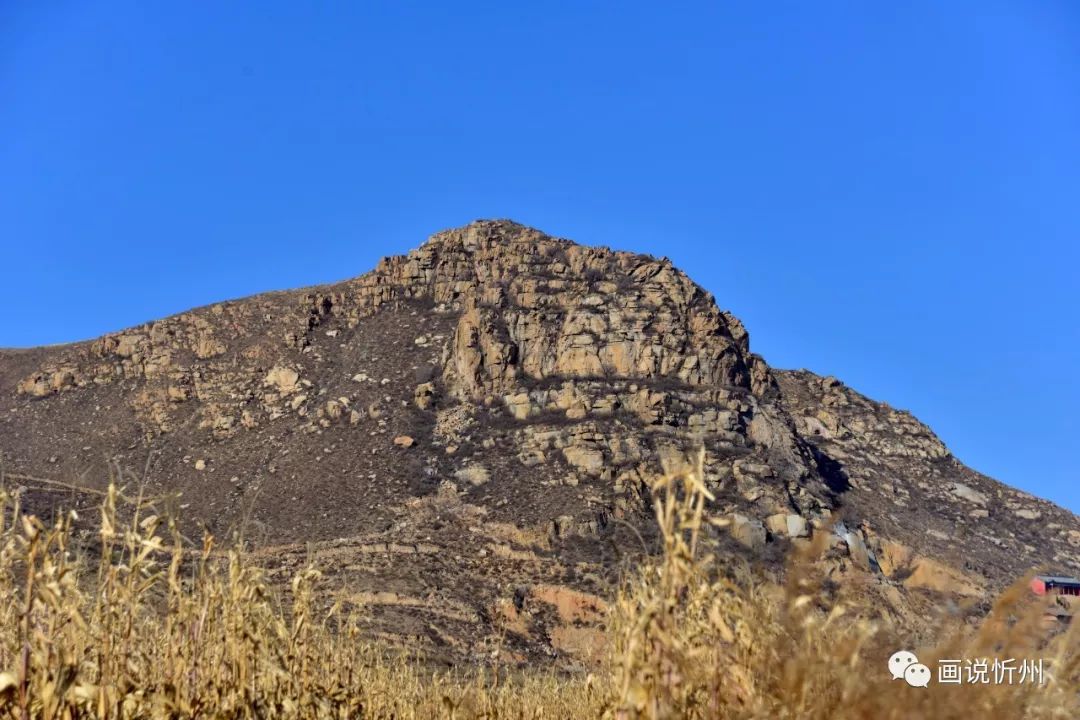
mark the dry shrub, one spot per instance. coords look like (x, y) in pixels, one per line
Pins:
(153, 628)
(694, 638)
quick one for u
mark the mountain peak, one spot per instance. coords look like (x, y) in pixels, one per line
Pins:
(493, 405)
(488, 231)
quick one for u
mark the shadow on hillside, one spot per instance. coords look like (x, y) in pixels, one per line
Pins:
(832, 471)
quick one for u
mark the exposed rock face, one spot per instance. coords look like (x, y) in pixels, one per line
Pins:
(500, 397)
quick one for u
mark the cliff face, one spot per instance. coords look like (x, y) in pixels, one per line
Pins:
(466, 432)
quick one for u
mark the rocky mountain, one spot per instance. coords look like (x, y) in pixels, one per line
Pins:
(463, 437)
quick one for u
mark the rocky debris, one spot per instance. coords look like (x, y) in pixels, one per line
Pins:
(914, 571)
(334, 409)
(405, 441)
(283, 379)
(424, 395)
(748, 531)
(473, 474)
(968, 493)
(586, 458)
(519, 405)
(787, 525)
(37, 385)
(889, 468)
(860, 555)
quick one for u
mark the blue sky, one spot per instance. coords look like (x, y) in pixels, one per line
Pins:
(885, 192)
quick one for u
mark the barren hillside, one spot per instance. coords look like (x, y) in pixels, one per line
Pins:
(463, 436)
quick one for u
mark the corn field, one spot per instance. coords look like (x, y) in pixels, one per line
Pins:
(140, 624)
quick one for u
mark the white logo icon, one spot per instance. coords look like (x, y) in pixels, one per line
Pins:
(917, 675)
(900, 661)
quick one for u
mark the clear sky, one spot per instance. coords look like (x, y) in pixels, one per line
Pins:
(885, 192)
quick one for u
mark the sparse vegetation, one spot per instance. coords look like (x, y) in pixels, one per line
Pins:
(153, 628)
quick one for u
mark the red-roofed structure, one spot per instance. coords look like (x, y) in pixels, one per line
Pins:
(1055, 585)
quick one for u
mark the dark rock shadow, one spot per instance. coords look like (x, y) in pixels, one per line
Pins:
(832, 471)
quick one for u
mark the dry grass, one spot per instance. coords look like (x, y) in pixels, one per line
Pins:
(695, 639)
(151, 628)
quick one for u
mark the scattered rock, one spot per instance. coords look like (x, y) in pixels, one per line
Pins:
(969, 493)
(787, 525)
(519, 405)
(748, 531)
(334, 409)
(284, 379)
(858, 551)
(424, 395)
(562, 526)
(587, 459)
(35, 386)
(473, 474)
